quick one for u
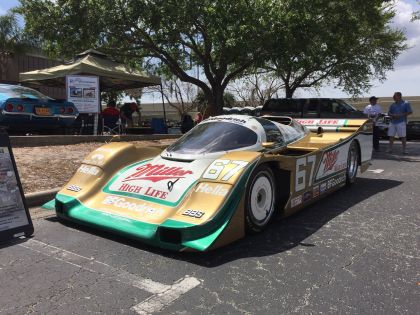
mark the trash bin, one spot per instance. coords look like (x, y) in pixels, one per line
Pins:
(158, 126)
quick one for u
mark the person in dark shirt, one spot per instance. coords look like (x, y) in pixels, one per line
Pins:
(187, 123)
(127, 111)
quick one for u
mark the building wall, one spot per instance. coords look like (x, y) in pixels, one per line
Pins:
(28, 62)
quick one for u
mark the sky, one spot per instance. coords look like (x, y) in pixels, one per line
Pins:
(404, 78)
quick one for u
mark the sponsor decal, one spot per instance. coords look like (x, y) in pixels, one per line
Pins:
(307, 195)
(147, 191)
(315, 191)
(89, 170)
(334, 122)
(323, 187)
(193, 213)
(74, 188)
(164, 182)
(157, 173)
(140, 208)
(336, 181)
(330, 158)
(217, 190)
(341, 166)
(296, 201)
(230, 119)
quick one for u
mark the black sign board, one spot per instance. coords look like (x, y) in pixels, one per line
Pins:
(15, 220)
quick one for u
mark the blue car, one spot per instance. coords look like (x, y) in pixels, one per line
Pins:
(26, 110)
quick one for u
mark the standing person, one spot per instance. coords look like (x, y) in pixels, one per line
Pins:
(187, 123)
(373, 110)
(398, 111)
(127, 111)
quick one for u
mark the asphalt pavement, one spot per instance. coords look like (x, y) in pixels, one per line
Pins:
(354, 252)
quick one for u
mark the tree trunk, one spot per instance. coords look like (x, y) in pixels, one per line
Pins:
(215, 102)
(289, 91)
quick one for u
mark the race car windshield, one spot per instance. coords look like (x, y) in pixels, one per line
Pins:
(20, 92)
(214, 137)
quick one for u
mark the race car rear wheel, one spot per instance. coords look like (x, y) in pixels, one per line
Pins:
(260, 199)
(352, 163)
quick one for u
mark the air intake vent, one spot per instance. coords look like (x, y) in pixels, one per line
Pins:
(170, 235)
(59, 206)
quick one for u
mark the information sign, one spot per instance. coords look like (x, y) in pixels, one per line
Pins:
(83, 91)
(15, 220)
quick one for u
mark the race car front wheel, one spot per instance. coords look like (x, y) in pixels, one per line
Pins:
(260, 199)
(352, 163)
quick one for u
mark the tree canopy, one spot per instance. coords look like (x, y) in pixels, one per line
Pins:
(222, 37)
(342, 43)
(305, 42)
(11, 39)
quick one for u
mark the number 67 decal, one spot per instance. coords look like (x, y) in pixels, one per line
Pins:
(216, 168)
(301, 170)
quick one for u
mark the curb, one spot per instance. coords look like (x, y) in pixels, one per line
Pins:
(40, 197)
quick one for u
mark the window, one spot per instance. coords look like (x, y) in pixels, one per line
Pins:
(17, 91)
(282, 134)
(214, 137)
(286, 105)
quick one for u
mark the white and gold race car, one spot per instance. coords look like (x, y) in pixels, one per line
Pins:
(227, 176)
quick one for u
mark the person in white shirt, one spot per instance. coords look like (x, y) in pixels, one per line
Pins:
(373, 110)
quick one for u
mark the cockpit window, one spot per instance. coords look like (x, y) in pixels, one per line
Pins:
(280, 133)
(214, 137)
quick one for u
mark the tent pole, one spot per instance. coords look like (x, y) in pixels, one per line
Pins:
(163, 105)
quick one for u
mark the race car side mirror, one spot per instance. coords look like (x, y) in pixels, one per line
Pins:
(320, 131)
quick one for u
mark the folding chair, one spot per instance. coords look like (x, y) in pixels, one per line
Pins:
(111, 125)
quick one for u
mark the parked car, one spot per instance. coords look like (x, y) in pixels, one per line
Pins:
(228, 175)
(26, 110)
(310, 108)
(413, 130)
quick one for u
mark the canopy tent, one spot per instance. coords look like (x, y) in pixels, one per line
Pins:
(113, 76)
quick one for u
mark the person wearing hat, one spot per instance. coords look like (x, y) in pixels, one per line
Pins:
(373, 110)
(399, 110)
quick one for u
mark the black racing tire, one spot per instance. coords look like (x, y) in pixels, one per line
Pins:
(260, 199)
(352, 163)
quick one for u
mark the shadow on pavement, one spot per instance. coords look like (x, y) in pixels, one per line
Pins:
(13, 242)
(290, 232)
(413, 153)
(281, 235)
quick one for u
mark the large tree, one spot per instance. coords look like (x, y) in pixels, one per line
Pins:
(11, 39)
(222, 37)
(342, 43)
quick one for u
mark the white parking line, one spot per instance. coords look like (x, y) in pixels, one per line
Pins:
(163, 295)
(158, 302)
(377, 171)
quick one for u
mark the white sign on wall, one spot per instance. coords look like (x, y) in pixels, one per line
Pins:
(83, 91)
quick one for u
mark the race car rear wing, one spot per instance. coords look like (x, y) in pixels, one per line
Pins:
(332, 125)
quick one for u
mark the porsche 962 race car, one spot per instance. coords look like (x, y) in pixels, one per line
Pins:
(228, 175)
